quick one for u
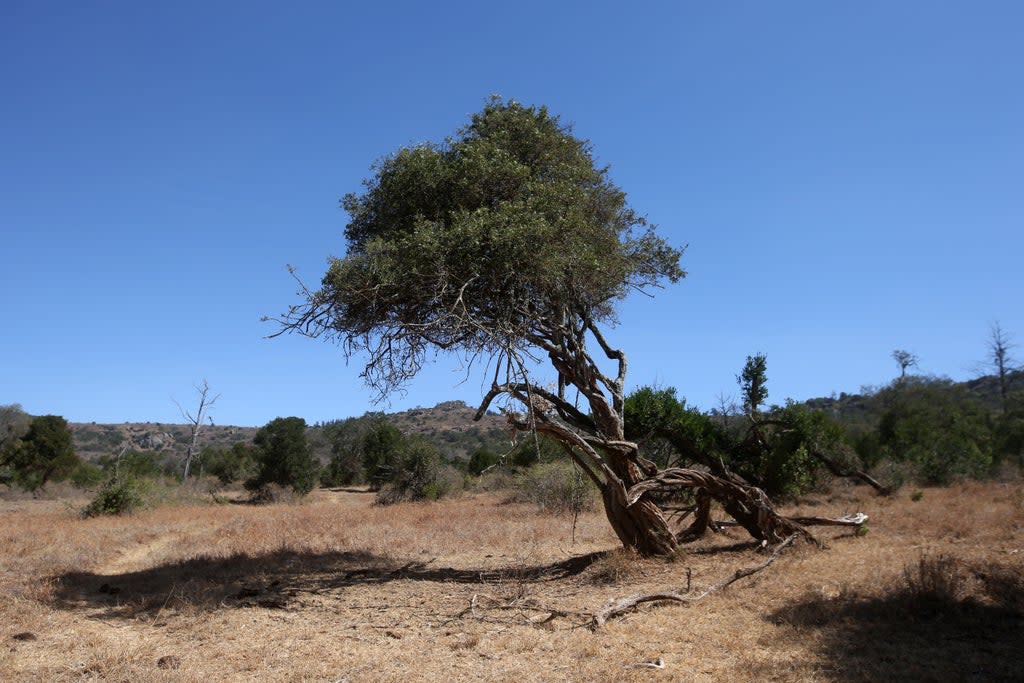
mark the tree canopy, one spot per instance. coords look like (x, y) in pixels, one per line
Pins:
(45, 453)
(283, 456)
(495, 241)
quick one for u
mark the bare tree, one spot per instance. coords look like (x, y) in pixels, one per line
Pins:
(999, 345)
(905, 359)
(205, 403)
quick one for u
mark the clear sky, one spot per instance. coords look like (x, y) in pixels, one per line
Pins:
(849, 178)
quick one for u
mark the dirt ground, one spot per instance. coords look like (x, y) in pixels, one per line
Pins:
(472, 589)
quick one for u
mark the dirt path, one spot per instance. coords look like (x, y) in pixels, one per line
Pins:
(142, 555)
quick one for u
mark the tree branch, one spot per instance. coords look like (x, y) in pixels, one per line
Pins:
(618, 607)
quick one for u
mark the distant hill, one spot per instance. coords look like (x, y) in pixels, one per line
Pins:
(450, 425)
(94, 440)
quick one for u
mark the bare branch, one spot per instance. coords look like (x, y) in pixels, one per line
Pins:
(618, 607)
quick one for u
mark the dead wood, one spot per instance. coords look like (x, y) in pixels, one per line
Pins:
(840, 471)
(618, 607)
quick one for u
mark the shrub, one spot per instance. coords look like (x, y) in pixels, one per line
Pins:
(935, 580)
(117, 497)
(416, 471)
(86, 475)
(381, 448)
(555, 487)
(481, 460)
(237, 463)
(343, 469)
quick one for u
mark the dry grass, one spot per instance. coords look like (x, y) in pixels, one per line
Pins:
(472, 589)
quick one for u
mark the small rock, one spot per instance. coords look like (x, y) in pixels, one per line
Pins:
(24, 636)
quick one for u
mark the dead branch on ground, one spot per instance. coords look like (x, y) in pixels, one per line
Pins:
(618, 607)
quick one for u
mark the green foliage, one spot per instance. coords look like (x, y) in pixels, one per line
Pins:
(45, 453)
(86, 475)
(283, 456)
(415, 467)
(381, 451)
(237, 463)
(532, 449)
(1009, 437)
(13, 424)
(775, 452)
(938, 428)
(120, 495)
(343, 469)
(674, 434)
(785, 466)
(753, 382)
(479, 244)
(138, 464)
(481, 460)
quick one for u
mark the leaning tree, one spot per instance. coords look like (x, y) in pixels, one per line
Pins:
(508, 245)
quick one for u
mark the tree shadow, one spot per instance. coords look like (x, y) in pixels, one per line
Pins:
(280, 580)
(907, 634)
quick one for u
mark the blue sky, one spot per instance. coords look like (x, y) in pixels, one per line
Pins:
(849, 178)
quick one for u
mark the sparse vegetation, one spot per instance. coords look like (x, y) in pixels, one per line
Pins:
(109, 597)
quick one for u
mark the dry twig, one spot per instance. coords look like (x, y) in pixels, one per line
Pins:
(617, 607)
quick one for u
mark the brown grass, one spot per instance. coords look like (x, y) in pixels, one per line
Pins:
(473, 589)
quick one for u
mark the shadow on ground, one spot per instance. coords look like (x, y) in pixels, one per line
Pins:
(276, 580)
(907, 635)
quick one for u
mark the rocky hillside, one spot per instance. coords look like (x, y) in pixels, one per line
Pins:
(450, 425)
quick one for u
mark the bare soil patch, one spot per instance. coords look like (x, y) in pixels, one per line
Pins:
(337, 589)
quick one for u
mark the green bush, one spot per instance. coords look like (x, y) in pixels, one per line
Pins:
(117, 497)
(86, 475)
(938, 429)
(416, 473)
(137, 464)
(481, 460)
(344, 468)
(229, 465)
(381, 447)
(283, 457)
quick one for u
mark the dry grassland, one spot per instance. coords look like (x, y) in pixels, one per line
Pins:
(337, 589)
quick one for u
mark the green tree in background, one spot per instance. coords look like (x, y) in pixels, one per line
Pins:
(45, 453)
(283, 456)
(229, 465)
(380, 452)
(753, 381)
(938, 428)
(414, 469)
